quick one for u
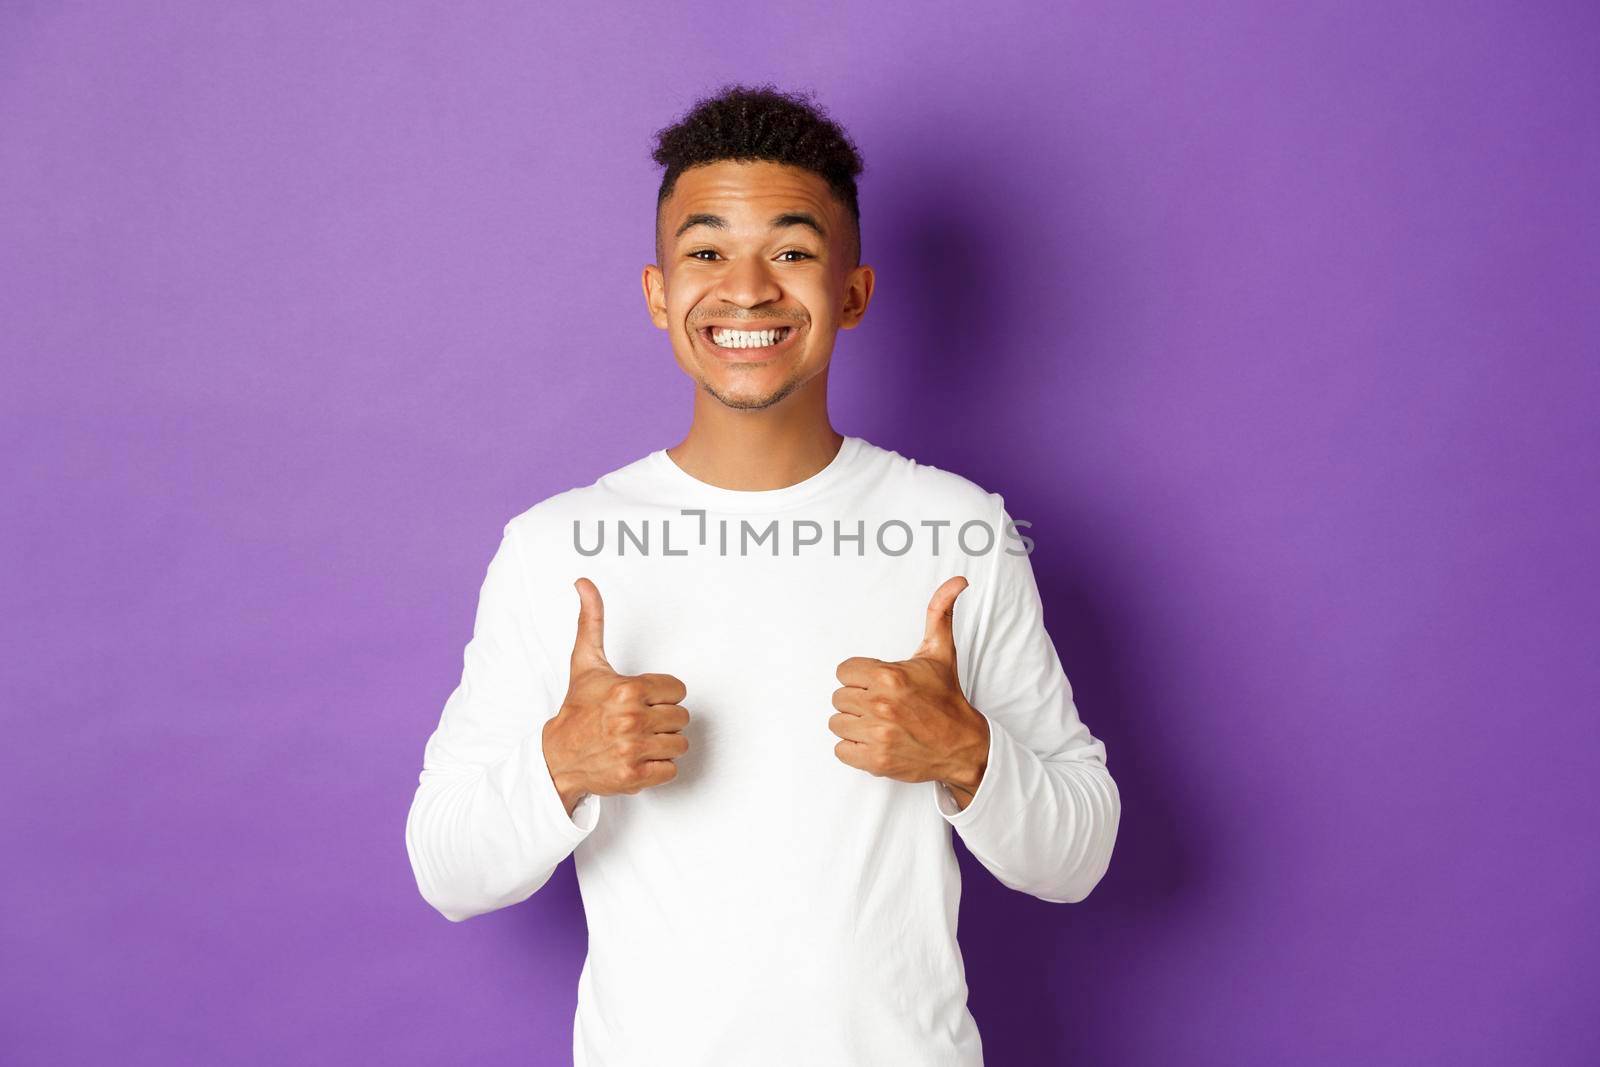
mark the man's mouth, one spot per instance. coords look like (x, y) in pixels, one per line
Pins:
(739, 340)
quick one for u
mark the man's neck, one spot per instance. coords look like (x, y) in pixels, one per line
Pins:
(756, 450)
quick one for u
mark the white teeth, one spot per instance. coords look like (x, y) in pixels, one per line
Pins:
(746, 338)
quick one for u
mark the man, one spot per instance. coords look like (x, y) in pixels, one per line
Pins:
(794, 661)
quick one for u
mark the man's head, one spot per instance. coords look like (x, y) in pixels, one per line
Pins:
(757, 228)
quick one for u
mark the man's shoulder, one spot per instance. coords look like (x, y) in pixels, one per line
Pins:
(936, 485)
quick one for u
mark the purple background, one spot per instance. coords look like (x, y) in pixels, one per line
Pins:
(1278, 322)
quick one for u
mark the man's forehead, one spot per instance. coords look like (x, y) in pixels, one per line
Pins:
(749, 193)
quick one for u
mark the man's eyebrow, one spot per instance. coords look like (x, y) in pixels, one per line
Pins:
(779, 222)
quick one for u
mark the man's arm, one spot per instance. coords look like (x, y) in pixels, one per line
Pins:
(1044, 816)
(487, 826)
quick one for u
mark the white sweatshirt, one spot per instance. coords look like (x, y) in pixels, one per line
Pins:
(771, 904)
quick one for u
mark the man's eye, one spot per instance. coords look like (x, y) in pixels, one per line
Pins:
(697, 253)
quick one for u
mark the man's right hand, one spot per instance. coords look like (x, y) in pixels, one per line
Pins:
(615, 733)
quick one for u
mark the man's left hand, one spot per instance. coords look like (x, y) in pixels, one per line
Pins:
(908, 719)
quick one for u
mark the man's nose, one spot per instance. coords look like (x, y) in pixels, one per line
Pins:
(749, 282)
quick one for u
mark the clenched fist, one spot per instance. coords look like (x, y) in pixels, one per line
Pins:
(615, 733)
(908, 719)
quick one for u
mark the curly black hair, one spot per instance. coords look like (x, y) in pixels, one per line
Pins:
(761, 123)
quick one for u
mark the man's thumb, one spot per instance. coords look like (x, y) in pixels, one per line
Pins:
(588, 648)
(939, 639)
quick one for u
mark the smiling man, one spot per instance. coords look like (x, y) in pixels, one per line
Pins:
(754, 682)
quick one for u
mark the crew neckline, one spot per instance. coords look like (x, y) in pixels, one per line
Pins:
(692, 490)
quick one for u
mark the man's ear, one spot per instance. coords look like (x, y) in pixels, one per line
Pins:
(655, 294)
(857, 294)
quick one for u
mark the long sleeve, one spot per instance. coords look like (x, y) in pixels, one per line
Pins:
(1045, 815)
(486, 827)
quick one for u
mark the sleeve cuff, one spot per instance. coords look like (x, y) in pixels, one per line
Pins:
(998, 767)
(585, 814)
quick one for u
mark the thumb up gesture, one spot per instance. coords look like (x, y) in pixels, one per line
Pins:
(615, 733)
(908, 719)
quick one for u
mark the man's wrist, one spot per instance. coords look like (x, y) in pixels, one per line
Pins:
(568, 785)
(969, 762)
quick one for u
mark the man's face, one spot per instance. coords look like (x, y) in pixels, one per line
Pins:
(740, 248)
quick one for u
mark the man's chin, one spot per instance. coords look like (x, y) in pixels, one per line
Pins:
(747, 402)
(745, 398)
